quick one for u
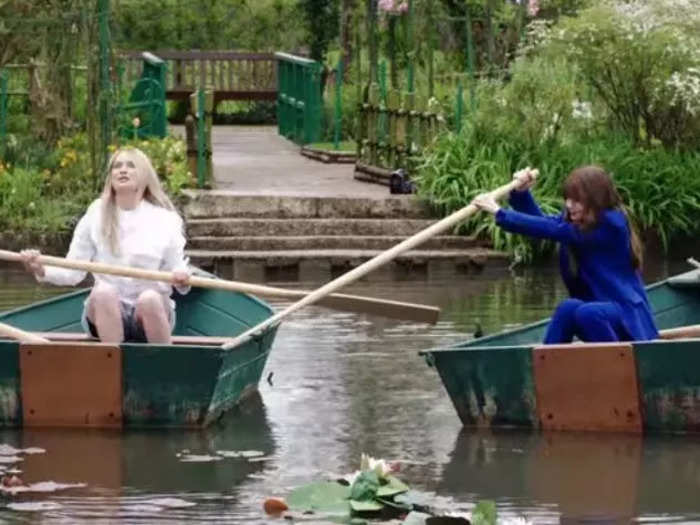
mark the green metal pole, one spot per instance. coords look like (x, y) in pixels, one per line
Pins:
(338, 103)
(3, 110)
(410, 45)
(105, 104)
(201, 166)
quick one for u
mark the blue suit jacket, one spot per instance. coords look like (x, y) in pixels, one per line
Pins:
(605, 271)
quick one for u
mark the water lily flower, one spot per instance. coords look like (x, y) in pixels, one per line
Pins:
(380, 466)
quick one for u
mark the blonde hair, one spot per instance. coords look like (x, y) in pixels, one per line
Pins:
(153, 192)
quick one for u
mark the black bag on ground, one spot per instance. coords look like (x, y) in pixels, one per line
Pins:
(399, 182)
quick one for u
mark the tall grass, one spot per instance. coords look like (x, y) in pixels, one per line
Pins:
(660, 187)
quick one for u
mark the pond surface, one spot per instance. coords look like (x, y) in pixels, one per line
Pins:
(343, 384)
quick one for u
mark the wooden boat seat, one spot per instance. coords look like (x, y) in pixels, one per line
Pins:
(682, 332)
(81, 337)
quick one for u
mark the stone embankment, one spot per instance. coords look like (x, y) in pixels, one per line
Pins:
(272, 231)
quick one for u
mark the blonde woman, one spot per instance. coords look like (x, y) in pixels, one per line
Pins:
(133, 223)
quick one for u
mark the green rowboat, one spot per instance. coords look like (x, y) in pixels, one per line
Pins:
(511, 379)
(77, 381)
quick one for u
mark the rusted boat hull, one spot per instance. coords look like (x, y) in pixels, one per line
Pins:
(512, 380)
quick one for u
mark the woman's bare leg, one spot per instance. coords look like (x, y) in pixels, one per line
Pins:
(104, 312)
(151, 312)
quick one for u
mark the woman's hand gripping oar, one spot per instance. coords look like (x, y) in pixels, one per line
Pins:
(352, 303)
(372, 264)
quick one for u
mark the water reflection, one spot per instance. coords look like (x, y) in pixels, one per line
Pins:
(576, 477)
(123, 471)
(345, 383)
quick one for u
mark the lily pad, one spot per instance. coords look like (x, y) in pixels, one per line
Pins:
(416, 518)
(484, 513)
(366, 506)
(325, 497)
(418, 501)
(393, 487)
(365, 487)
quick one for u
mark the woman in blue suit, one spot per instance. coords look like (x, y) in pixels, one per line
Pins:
(600, 257)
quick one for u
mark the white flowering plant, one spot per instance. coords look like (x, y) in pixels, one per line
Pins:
(373, 492)
(641, 59)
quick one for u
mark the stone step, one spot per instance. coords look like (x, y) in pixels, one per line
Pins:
(326, 242)
(200, 204)
(340, 258)
(278, 227)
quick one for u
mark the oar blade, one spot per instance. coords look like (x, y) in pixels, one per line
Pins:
(383, 308)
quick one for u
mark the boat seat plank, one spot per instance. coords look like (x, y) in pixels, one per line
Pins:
(192, 340)
(686, 280)
(681, 332)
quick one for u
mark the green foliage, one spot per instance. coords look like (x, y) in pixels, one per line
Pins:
(321, 20)
(584, 92)
(642, 62)
(484, 513)
(660, 187)
(24, 208)
(262, 25)
(245, 112)
(349, 113)
(45, 190)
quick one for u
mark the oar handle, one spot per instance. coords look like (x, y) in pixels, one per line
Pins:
(150, 275)
(416, 312)
(21, 335)
(373, 263)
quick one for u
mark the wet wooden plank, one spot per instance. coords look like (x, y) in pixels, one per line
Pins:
(73, 385)
(587, 387)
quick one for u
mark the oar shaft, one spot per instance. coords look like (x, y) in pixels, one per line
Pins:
(372, 264)
(21, 335)
(395, 309)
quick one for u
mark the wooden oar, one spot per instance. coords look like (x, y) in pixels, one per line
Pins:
(353, 303)
(371, 265)
(21, 335)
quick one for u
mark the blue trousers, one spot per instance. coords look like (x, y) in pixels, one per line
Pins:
(589, 321)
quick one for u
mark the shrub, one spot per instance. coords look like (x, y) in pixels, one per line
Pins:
(642, 60)
(660, 187)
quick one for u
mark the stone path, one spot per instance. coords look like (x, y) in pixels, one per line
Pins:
(272, 207)
(256, 160)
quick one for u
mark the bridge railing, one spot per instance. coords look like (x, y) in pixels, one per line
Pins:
(299, 98)
(233, 75)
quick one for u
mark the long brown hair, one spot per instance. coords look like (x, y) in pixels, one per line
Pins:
(594, 189)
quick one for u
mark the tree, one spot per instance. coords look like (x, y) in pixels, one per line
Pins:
(321, 17)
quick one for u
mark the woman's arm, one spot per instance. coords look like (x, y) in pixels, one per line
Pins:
(81, 248)
(607, 232)
(524, 202)
(174, 259)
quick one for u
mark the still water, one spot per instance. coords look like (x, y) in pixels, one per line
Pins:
(342, 384)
